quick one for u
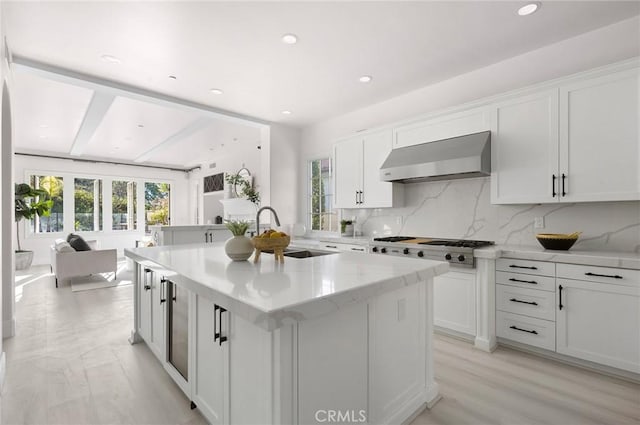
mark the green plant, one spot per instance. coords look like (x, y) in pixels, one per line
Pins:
(246, 189)
(28, 204)
(344, 224)
(237, 228)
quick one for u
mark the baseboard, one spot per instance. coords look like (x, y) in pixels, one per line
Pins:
(3, 369)
(9, 328)
(454, 334)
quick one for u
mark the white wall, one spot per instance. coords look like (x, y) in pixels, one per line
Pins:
(286, 180)
(39, 243)
(424, 215)
(5, 254)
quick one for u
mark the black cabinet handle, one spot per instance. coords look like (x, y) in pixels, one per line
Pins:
(361, 197)
(146, 279)
(331, 246)
(533, 282)
(563, 178)
(222, 337)
(357, 198)
(612, 276)
(513, 266)
(216, 335)
(523, 330)
(358, 249)
(515, 300)
(553, 185)
(560, 296)
(163, 282)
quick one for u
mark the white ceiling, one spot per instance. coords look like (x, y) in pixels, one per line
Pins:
(235, 46)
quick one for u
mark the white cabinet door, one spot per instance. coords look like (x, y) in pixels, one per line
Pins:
(524, 148)
(454, 295)
(144, 290)
(209, 385)
(376, 193)
(158, 339)
(189, 236)
(347, 157)
(397, 325)
(599, 138)
(599, 322)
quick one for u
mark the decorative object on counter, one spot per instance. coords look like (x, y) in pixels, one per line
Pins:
(557, 241)
(298, 230)
(239, 247)
(242, 183)
(346, 227)
(29, 203)
(271, 240)
(218, 219)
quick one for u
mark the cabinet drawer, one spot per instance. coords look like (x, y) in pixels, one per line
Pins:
(543, 283)
(541, 268)
(343, 247)
(529, 302)
(527, 330)
(599, 274)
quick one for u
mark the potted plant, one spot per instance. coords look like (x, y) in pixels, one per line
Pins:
(239, 247)
(346, 227)
(29, 202)
(243, 187)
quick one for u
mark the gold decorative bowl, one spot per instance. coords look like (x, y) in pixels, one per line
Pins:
(277, 245)
(557, 241)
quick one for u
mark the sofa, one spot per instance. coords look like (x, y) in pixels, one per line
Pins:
(66, 262)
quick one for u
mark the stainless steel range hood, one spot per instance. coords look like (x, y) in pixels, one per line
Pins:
(448, 159)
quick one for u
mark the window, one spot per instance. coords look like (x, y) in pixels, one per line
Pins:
(124, 205)
(321, 213)
(55, 221)
(156, 204)
(87, 196)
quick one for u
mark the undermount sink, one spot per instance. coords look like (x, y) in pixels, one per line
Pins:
(301, 253)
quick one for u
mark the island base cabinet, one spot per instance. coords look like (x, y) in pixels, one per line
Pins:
(599, 322)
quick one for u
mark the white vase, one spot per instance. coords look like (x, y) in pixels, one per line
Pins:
(239, 248)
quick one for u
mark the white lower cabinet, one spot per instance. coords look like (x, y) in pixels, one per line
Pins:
(591, 313)
(455, 308)
(599, 322)
(366, 362)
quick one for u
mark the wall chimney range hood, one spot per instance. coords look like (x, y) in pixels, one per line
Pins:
(455, 158)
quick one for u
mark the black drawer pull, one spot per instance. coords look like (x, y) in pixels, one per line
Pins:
(523, 330)
(513, 266)
(612, 276)
(553, 185)
(533, 282)
(357, 249)
(331, 246)
(560, 297)
(515, 300)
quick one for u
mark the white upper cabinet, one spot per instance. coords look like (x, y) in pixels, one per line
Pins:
(443, 127)
(599, 120)
(524, 148)
(357, 173)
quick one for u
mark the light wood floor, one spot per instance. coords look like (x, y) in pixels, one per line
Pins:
(71, 364)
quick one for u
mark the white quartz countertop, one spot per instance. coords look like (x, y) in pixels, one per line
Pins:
(625, 260)
(269, 293)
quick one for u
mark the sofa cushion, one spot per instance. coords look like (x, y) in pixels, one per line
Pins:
(63, 246)
(78, 243)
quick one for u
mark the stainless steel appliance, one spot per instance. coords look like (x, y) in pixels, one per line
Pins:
(455, 158)
(458, 252)
(178, 316)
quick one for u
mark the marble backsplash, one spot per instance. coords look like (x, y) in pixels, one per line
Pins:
(462, 209)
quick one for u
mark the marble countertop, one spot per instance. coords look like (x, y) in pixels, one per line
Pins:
(625, 260)
(308, 241)
(271, 294)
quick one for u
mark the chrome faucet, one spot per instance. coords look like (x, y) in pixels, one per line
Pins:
(275, 215)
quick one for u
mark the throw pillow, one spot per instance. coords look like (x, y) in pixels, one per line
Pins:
(78, 243)
(64, 246)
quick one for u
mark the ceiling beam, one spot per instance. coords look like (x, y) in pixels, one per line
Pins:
(114, 88)
(98, 107)
(183, 133)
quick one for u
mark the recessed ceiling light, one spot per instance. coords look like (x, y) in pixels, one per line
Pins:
(43, 126)
(528, 9)
(140, 125)
(173, 77)
(365, 79)
(216, 91)
(110, 59)
(289, 39)
(286, 112)
(43, 137)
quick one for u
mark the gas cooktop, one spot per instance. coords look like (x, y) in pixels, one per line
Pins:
(455, 251)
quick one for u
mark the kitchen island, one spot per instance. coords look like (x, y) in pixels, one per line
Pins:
(344, 338)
